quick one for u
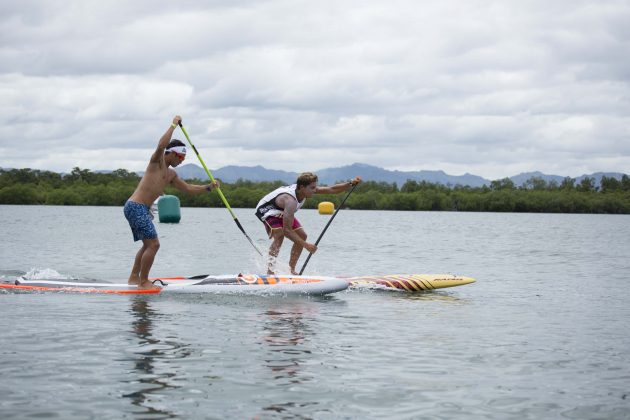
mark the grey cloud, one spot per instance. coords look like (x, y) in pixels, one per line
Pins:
(403, 84)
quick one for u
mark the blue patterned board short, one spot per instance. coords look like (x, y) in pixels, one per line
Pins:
(140, 221)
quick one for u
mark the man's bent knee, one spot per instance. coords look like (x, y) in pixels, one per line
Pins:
(152, 244)
(302, 234)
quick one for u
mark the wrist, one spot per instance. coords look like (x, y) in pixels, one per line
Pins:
(208, 188)
(174, 125)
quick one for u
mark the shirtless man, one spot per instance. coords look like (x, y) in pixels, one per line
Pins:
(137, 208)
(277, 212)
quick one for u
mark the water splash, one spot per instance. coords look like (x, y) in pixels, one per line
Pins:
(260, 264)
(45, 274)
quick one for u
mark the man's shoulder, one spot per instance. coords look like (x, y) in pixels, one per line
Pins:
(286, 198)
(172, 174)
(287, 191)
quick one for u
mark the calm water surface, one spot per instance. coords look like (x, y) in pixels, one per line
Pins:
(544, 333)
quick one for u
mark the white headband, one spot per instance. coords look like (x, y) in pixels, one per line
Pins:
(177, 149)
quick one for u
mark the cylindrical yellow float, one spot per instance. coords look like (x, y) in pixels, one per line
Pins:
(326, 207)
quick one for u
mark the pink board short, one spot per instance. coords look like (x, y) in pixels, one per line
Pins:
(275, 222)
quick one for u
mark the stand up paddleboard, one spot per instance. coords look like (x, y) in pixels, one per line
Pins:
(409, 282)
(253, 284)
(398, 282)
(236, 284)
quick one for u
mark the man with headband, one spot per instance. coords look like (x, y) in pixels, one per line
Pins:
(169, 153)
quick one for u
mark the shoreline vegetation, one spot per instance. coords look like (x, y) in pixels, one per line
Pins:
(83, 187)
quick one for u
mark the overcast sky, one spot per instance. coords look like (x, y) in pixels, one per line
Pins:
(492, 88)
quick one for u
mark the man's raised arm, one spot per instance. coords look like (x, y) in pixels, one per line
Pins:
(165, 139)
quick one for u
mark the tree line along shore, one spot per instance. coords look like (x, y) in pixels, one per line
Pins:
(83, 187)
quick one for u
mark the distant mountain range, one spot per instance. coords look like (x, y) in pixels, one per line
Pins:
(367, 173)
(329, 176)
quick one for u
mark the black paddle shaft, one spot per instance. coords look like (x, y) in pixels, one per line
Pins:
(326, 227)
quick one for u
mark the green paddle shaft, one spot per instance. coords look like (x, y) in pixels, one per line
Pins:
(227, 205)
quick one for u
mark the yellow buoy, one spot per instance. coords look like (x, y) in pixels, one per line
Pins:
(326, 207)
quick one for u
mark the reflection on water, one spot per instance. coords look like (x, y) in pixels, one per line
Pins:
(442, 295)
(434, 296)
(152, 361)
(286, 334)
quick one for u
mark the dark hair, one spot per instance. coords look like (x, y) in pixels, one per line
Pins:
(305, 179)
(174, 143)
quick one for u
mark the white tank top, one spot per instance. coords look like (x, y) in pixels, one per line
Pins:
(267, 206)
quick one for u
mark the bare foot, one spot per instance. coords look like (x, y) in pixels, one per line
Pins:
(148, 285)
(134, 279)
(294, 273)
